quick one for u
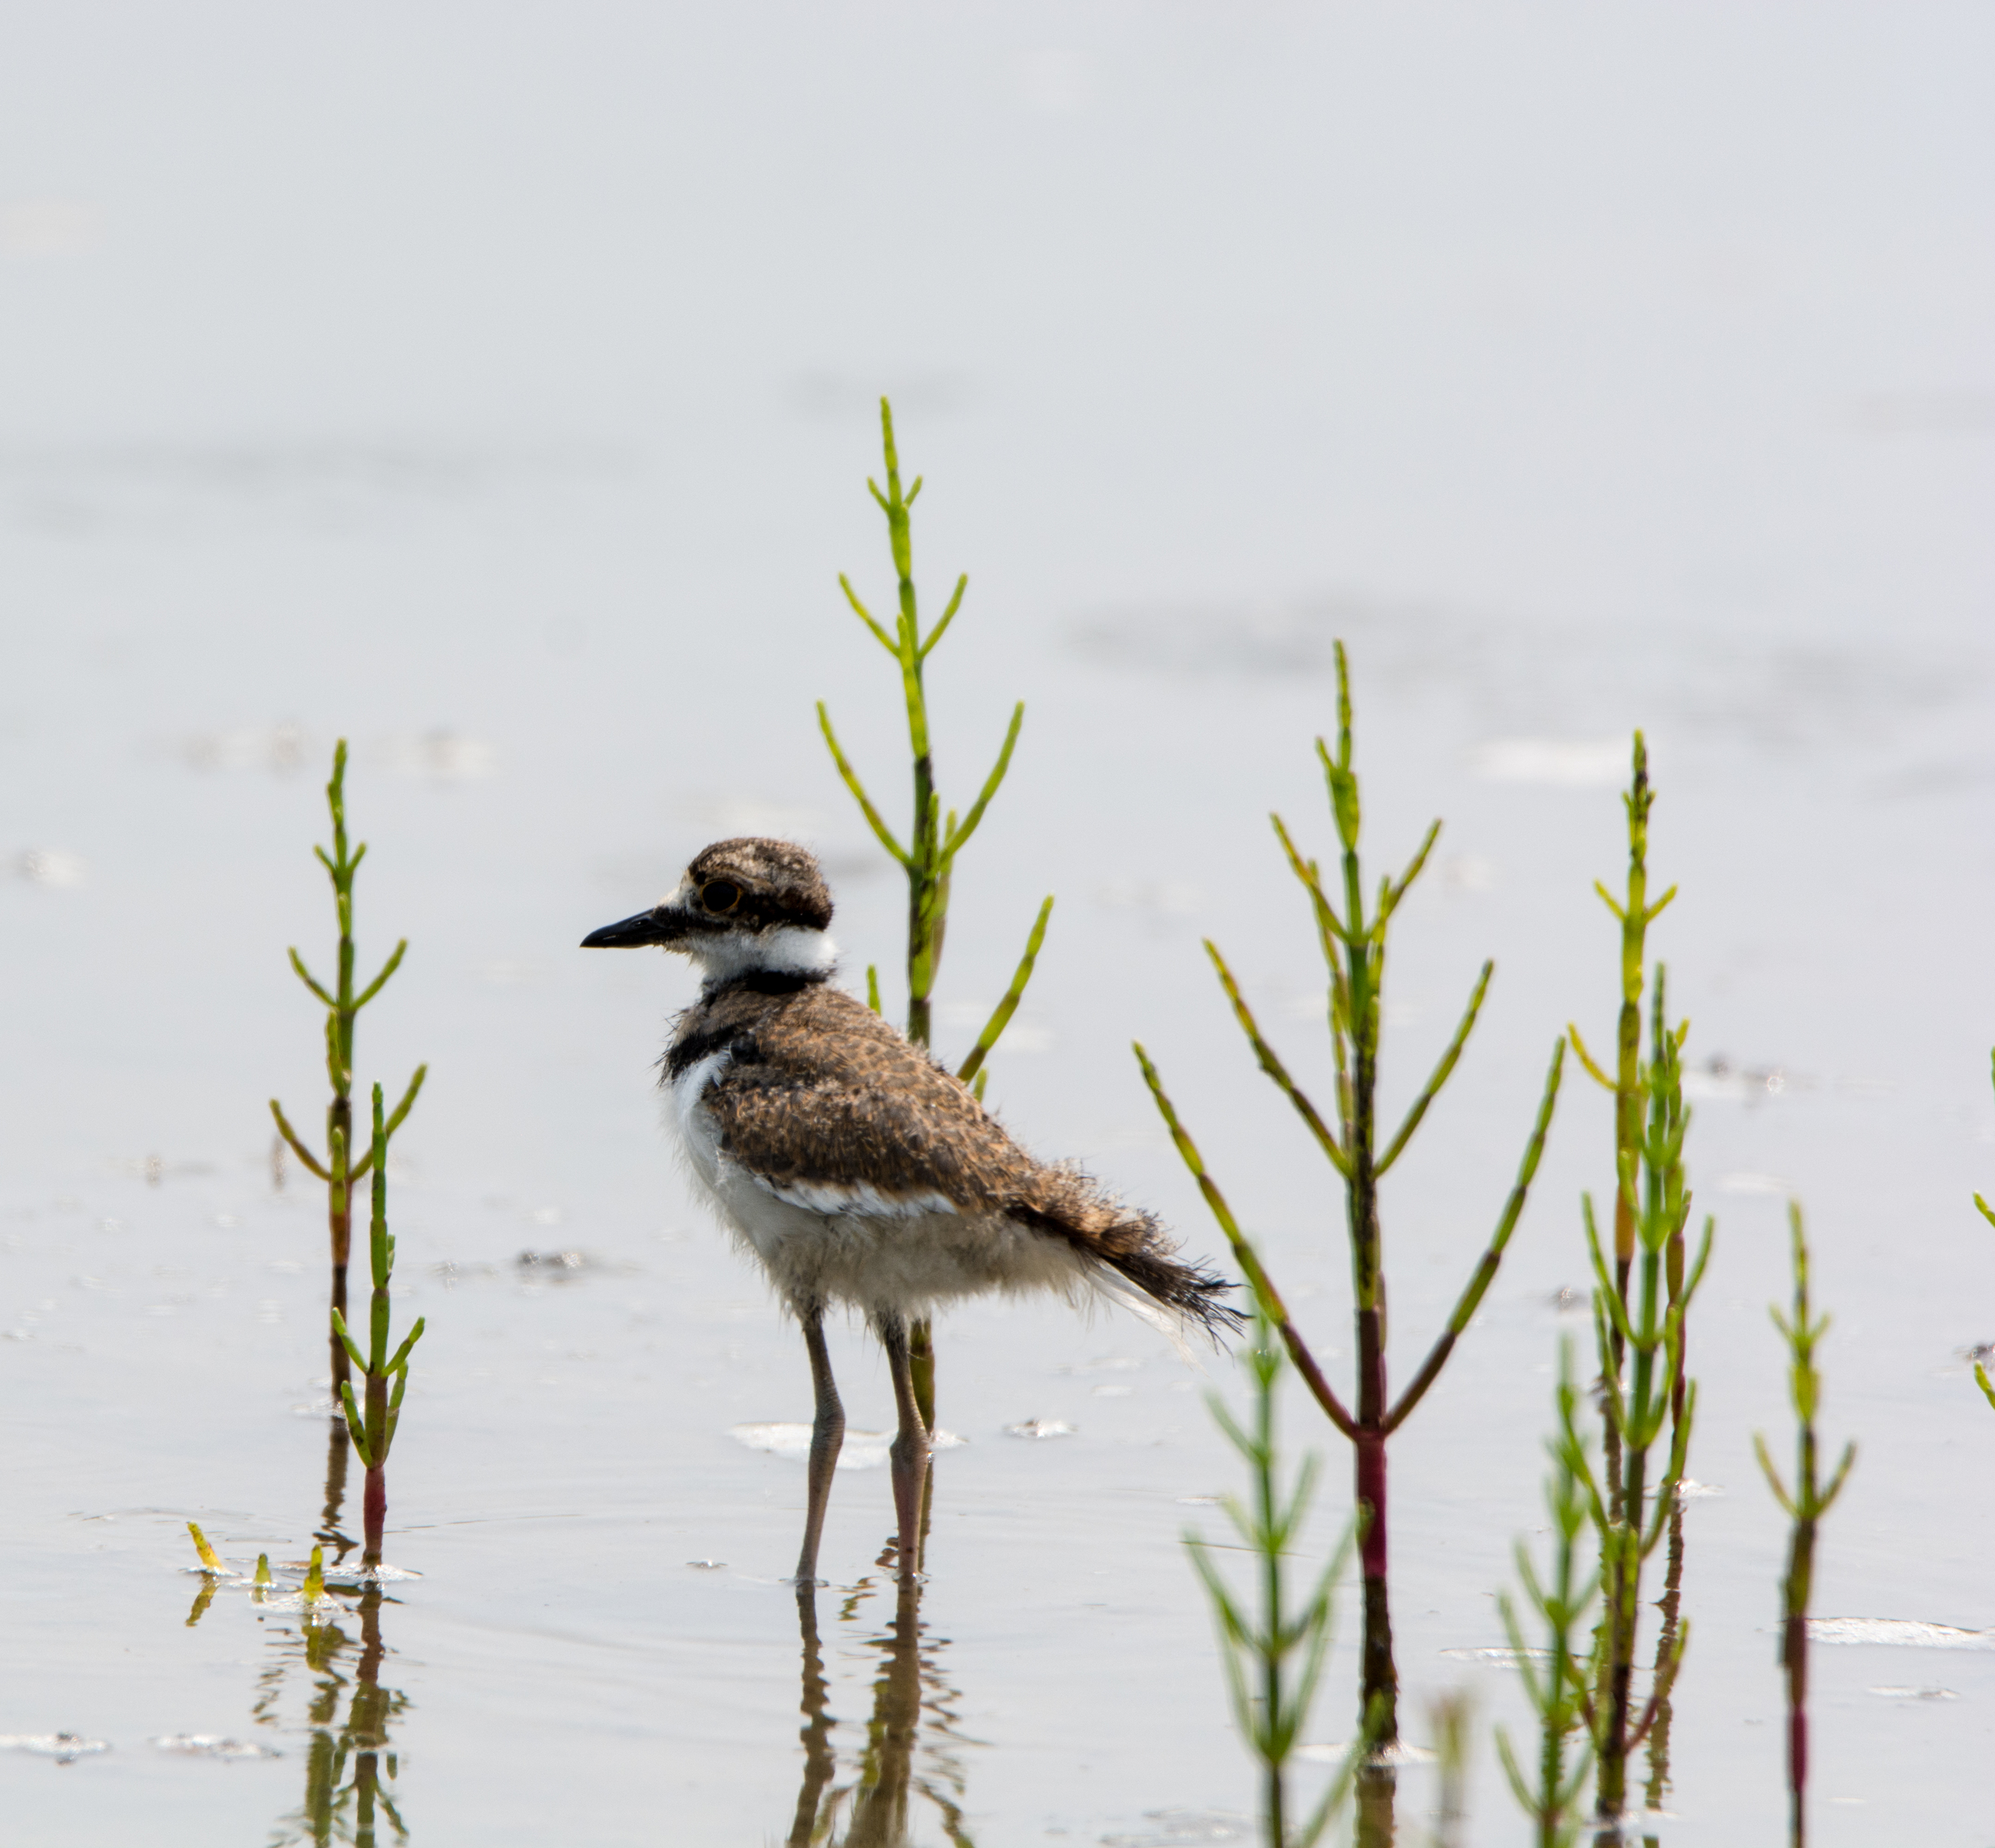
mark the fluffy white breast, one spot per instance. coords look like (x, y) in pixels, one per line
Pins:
(697, 1130)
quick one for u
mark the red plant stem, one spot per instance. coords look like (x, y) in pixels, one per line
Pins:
(375, 1514)
(374, 1501)
(1371, 1491)
(1381, 1677)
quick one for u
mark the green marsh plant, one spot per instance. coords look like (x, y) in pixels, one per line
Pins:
(1640, 1340)
(1353, 945)
(1635, 914)
(372, 1418)
(213, 1572)
(1558, 1679)
(1628, 1084)
(211, 1561)
(935, 835)
(1274, 1657)
(1806, 1503)
(337, 1168)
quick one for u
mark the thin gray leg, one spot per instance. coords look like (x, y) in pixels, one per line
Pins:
(828, 1437)
(910, 1446)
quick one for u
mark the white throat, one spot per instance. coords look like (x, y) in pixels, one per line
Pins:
(785, 950)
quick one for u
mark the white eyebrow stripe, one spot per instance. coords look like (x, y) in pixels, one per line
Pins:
(859, 1199)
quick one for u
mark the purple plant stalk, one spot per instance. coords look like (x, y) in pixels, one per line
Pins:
(1805, 1507)
(1353, 945)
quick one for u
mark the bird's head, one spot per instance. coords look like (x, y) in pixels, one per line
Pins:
(747, 904)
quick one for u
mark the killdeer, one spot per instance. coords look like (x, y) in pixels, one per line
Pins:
(854, 1169)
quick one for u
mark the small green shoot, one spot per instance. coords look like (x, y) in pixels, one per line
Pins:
(1275, 1659)
(342, 1006)
(372, 1423)
(313, 1591)
(1635, 914)
(262, 1580)
(1805, 1505)
(1560, 1691)
(1647, 1335)
(210, 1559)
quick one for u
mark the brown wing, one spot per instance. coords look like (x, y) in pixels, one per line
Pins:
(821, 1090)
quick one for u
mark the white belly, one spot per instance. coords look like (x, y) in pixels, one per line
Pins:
(828, 1243)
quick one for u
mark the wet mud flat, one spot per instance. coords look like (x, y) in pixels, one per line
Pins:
(601, 1512)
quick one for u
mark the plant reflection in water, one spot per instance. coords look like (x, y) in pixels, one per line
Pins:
(336, 1809)
(329, 1534)
(874, 1807)
(349, 1763)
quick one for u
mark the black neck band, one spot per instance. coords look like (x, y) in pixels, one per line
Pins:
(771, 982)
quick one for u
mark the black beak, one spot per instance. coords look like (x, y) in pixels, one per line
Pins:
(662, 924)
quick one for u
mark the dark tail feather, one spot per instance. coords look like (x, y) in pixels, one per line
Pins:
(1138, 1249)
(1191, 1290)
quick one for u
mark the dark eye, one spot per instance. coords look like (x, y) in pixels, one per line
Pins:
(720, 894)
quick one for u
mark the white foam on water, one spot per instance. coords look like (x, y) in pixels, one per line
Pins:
(61, 1746)
(863, 1450)
(1897, 1632)
(212, 1745)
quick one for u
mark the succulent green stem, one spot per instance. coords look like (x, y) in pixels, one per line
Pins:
(1274, 1658)
(1558, 1683)
(1640, 1344)
(1353, 945)
(372, 1414)
(342, 1007)
(1806, 1503)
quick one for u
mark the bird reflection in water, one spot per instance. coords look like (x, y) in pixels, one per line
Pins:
(874, 1807)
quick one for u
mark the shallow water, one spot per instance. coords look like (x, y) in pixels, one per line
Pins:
(498, 393)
